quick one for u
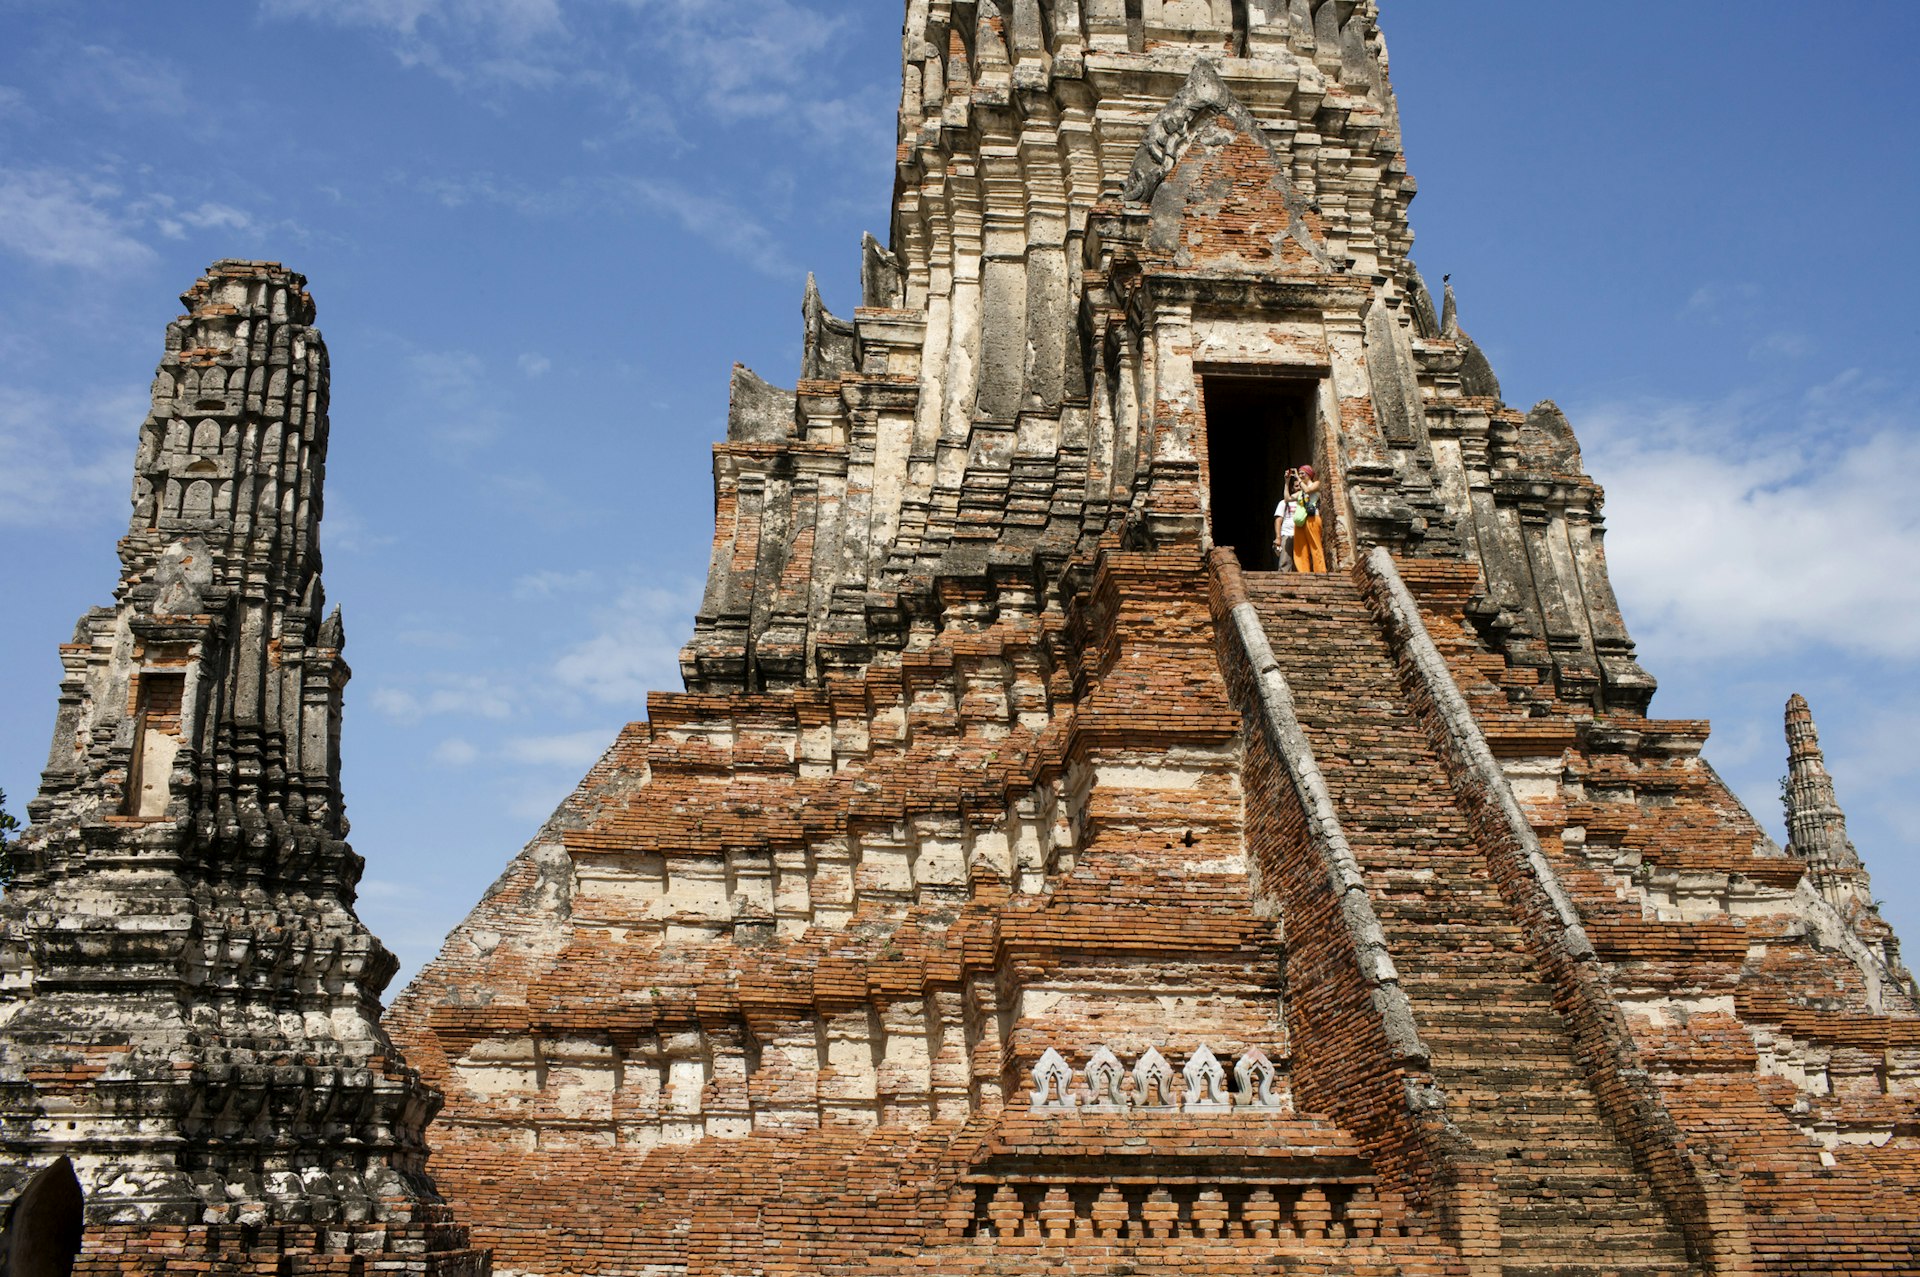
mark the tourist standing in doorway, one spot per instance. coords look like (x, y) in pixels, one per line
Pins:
(1309, 555)
(1283, 529)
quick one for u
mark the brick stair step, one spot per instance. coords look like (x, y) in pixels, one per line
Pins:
(1641, 1265)
(1497, 1115)
(1598, 1187)
(1574, 1205)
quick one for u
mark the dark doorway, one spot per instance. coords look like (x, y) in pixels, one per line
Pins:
(1258, 428)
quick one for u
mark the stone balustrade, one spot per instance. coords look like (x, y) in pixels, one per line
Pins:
(1042, 1212)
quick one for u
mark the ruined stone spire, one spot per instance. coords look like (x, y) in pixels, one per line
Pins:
(1816, 827)
(188, 1006)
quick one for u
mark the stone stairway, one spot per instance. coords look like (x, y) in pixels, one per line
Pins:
(1571, 1202)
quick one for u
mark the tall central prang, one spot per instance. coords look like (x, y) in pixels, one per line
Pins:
(1034, 878)
(1145, 258)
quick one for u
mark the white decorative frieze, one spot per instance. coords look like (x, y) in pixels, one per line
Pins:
(1106, 1080)
(1106, 1085)
(1255, 1075)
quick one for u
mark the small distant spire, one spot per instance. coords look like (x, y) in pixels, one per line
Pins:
(1816, 827)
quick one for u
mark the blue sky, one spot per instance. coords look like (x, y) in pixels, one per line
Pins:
(540, 232)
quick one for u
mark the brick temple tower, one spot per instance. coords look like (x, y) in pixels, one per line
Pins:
(1030, 878)
(188, 1006)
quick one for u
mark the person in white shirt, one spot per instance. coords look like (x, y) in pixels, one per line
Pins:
(1283, 529)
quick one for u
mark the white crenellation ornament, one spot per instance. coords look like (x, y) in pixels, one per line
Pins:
(1153, 1082)
(1201, 1085)
(1106, 1080)
(1053, 1082)
(1255, 1074)
(1206, 1081)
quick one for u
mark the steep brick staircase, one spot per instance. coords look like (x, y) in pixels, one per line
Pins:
(1571, 1202)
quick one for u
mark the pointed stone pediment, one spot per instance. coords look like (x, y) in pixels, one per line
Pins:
(1203, 95)
(1219, 188)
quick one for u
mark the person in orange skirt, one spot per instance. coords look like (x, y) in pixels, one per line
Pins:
(1309, 553)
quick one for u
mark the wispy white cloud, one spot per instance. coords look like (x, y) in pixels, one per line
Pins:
(531, 799)
(751, 59)
(575, 751)
(478, 43)
(451, 389)
(208, 216)
(508, 19)
(1714, 302)
(717, 220)
(63, 219)
(534, 364)
(443, 372)
(454, 752)
(444, 695)
(408, 917)
(545, 585)
(347, 531)
(654, 64)
(636, 649)
(702, 212)
(1784, 344)
(1871, 750)
(122, 81)
(462, 190)
(436, 639)
(1759, 526)
(65, 461)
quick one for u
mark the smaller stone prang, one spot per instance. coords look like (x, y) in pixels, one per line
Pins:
(1816, 827)
(1817, 834)
(189, 1008)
